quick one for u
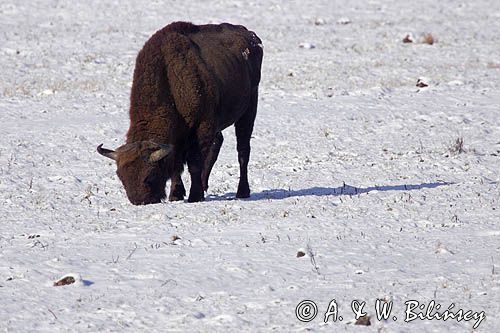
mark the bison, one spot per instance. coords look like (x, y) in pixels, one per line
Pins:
(190, 82)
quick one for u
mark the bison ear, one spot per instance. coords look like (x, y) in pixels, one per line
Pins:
(106, 152)
(161, 153)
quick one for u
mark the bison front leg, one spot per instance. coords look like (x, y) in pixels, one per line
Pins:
(195, 160)
(211, 159)
(244, 128)
(177, 190)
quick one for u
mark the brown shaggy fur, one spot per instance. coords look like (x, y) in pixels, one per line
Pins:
(190, 82)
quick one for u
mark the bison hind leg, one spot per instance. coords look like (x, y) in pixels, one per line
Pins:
(211, 159)
(244, 128)
(195, 160)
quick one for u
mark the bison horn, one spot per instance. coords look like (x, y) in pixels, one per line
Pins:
(106, 152)
(162, 152)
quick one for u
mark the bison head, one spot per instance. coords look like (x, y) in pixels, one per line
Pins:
(142, 168)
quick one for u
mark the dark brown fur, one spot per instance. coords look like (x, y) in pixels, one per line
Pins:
(190, 82)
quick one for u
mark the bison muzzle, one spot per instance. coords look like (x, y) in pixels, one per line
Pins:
(190, 82)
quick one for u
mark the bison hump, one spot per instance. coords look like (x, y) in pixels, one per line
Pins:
(190, 83)
(181, 27)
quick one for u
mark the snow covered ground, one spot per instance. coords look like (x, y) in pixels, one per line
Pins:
(390, 190)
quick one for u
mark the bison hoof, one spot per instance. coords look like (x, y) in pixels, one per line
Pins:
(196, 198)
(177, 193)
(175, 198)
(241, 194)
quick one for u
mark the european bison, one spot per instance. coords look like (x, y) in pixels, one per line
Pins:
(190, 82)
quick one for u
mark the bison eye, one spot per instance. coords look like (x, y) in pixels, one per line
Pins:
(149, 181)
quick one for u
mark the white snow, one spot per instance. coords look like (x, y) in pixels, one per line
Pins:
(352, 164)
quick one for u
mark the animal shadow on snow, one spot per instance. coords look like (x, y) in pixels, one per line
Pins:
(278, 194)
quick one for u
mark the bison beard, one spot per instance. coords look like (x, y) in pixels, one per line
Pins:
(190, 82)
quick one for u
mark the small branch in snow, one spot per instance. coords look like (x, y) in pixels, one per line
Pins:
(43, 246)
(55, 317)
(313, 260)
(457, 147)
(132, 252)
(10, 161)
(167, 282)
